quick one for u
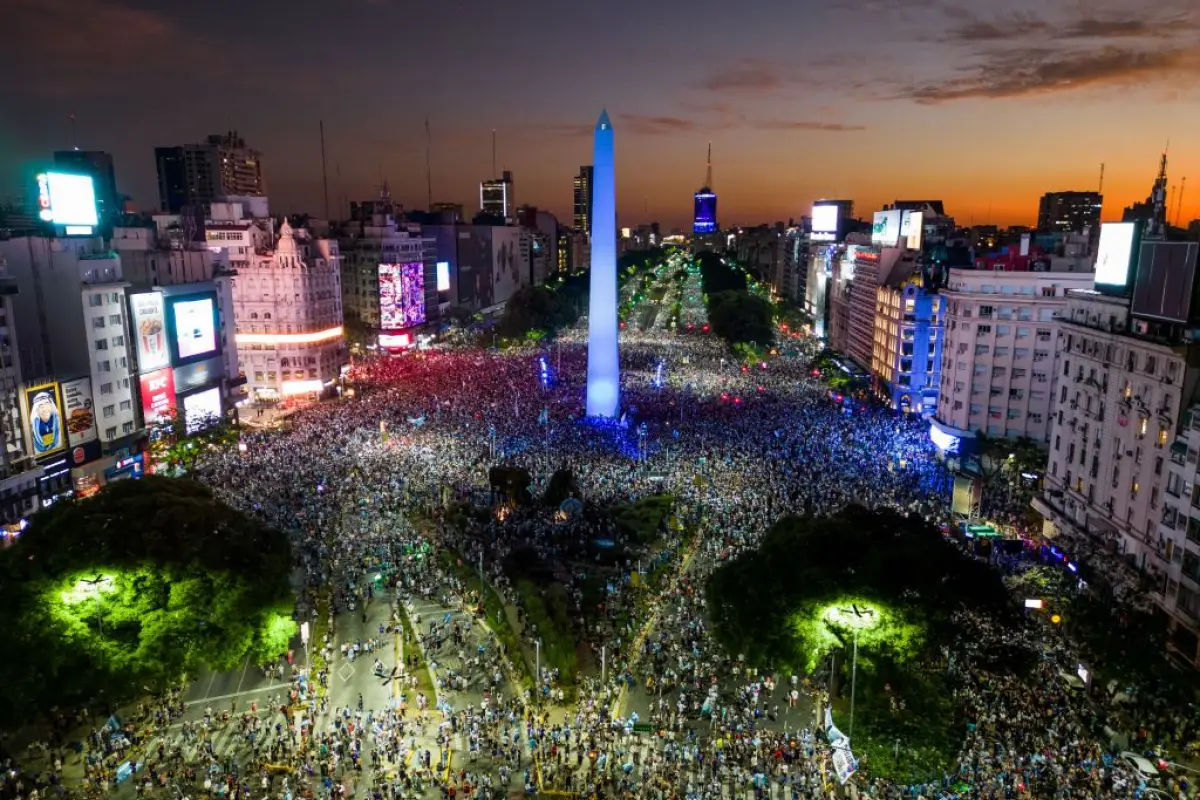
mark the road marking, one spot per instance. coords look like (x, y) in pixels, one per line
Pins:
(345, 673)
(235, 694)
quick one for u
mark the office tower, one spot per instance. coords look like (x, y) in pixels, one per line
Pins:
(496, 196)
(99, 166)
(222, 166)
(1069, 212)
(604, 369)
(705, 220)
(582, 220)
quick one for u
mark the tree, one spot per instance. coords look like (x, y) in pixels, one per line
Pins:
(535, 308)
(741, 317)
(716, 275)
(176, 444)
(132, 589)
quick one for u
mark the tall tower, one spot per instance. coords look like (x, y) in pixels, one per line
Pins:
(705, 219)
(604, 369)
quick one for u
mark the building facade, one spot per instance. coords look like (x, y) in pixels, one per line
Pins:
(1069, 212)
(581, 219)
(998, 355)
(496, 196)
(288, 314)
(383, 242)
(907, 359)
(198, 174)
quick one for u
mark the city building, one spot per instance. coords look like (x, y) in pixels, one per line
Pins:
(97, 165)
(543, 242)
(760, 249)
(582, 218)
(288, 314)
(906, 361)
(484, 264)
(565, 249)
(1069, 212)
(198, 174)
(20, 474)
(790, 275)
(378, 241)
(704, 220)
(496, 196)
(998, 355)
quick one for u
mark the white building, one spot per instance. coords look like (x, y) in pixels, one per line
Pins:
(288, 312)
(1175, 556)
(998, 355)
(382, 241)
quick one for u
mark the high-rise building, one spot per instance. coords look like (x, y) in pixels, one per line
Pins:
(705, 203)
(1069, 212)
(582, 218)
(907, 360)
(198, 174)
(99, 166)
(496, 196)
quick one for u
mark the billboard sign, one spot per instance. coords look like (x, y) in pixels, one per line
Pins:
(193, 376)
(158, 395)
(443, 276)
(825, 222)
(43, 404)
(885, 228)
(192, 326)
(68, 200)
(80, 414)
(1115, 255)
(1166, 281)
(510, 267)
(202, 409)
(912, 228)
(401, 295)
(150, 330)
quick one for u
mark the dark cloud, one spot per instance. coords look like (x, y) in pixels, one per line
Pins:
(1126, 28)
(654, 126)
(1036, 71)
(1009, 29)
(805, 125)
(748, 76)
(1016, 27)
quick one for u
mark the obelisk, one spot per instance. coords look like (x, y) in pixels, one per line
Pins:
(604, 369)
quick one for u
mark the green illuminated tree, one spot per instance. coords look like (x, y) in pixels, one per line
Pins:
(175, 449)
(134, 588)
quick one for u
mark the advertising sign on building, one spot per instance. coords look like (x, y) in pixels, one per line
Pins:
(912, 226)
(158, 396)
(80, 415)
(885, 228)
(194, 323)
(1115, 254)
(150, 330)
(44, 406)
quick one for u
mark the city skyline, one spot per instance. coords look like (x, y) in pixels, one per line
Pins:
(984, 105)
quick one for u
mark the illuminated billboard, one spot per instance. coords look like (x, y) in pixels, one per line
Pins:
(1115, 254)
(192, 326)
(825, 220)
(150, 330)
(443, 276)
(202, 409)
(68, 200)
(912, 227)
(43, 404)
(706, 213)
(885, 228)
(158, 395)
(401, 295)
(80, 415)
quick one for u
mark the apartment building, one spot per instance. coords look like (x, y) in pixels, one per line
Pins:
(1175, 557)
(998, 354)
(907, 355)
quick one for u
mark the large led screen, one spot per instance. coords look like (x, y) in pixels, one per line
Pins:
(150, 330)
(158, 395)
(1165, 282)
(401, 295)
(46, 435)
(194, 326)
(80, 415)
(202, 409)
(824, 219)
(885, 228)
(1115, 253)
(67, 199)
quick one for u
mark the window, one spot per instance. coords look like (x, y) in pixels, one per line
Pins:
(104, 366)
(106, 388)
(95, 300)
(1003, 330)
(127, 427)
(110, 433)
(110, 411)
(118, 341)
(126, 405)
(101, 344)
(98, 322)
(114, 319)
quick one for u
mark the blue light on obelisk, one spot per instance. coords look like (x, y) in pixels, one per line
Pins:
(604, 369)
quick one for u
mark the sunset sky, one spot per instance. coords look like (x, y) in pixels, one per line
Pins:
(985, 104)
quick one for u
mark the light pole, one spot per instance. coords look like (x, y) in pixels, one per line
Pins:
(603, 665)
(537, 667)
(853, 677)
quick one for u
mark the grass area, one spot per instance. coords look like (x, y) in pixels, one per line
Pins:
(493, 607)
(548, 611)
(424, 679)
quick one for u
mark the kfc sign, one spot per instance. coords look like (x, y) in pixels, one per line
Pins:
(158, 396)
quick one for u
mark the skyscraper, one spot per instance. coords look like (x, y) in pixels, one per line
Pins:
(222, 166)
(496, 196)
(705, 220)
(603, 367)
(582, 220)
(1069, 212)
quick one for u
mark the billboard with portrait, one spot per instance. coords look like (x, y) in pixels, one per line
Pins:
(158, 395)
(150, 330)
(43, 404)
(192, 325)
(401, 295)
(1115, 254)
(885, 228)
(510, 267)
(79, 413)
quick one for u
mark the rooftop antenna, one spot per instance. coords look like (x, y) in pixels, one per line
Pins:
(428, 168)
(1179, 200)
(494, 173)
(1101, 189)
(708, 174)
(74, 138)
(324, 171)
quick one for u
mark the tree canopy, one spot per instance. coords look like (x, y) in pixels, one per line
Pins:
(536, 308)
(741, 317)
(132, 589)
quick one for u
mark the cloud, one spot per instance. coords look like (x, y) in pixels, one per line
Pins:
(805, 125)
(1126, 28)
(1023, 26)
(1016, 27)
(749, 76)
(1037, 71)
(643, 125)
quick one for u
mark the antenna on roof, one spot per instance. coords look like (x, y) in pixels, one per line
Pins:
(494, 173)
(708, 174)
(1101, 189)
(74, 139)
